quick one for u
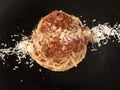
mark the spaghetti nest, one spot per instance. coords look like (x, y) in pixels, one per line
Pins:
(60, 41)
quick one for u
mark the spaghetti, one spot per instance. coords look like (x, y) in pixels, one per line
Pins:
(60, 41)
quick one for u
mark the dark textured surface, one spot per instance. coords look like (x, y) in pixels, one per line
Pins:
(100, 70)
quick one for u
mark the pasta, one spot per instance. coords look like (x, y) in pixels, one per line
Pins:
(60, 41)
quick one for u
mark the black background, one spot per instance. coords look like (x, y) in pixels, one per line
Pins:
(100, 70)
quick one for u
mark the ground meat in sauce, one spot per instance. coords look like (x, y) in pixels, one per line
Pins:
(54, 50)
(57, 19)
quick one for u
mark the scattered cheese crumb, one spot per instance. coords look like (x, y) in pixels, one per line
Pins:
(101, 33)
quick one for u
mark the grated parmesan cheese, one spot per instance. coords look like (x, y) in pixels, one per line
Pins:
(101, 33)
(20, 51)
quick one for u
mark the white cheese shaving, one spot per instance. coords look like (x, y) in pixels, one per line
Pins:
(103, 32)
(20, 51)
